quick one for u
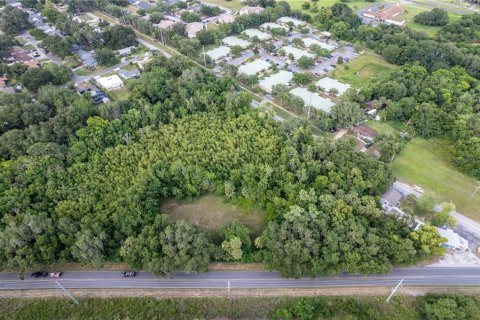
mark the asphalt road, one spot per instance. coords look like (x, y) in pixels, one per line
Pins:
(247, 279)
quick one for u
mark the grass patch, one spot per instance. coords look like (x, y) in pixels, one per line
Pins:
(81, 72)
(382, 127)
(363, 70)
(234, 4)
(297, 4)
(425, 163)
(119, 94)
(211, 212)
(28, 47)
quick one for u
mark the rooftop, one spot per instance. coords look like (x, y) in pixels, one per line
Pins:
(262, 36)
(226, 18)
(392, 196)
(164, 24)
(453, 239)
(365, 131)
(249, 10)
(235, 41)
(297, 53)
(329, 83)
(296, 22)
(281, 77)
(192, 28)
(313, 99)
(254, 67)
(272, 25)
(307, 42)
(110, 82)
(218, 53)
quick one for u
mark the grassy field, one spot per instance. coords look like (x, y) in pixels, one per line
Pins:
(234, 4)
(297, 4)
(363, 70)
(412, 10)
(119, 94)
(373, 307)
(425, 163)
(211, 212)
(382, 127)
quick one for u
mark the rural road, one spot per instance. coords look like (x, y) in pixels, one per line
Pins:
(245, 279)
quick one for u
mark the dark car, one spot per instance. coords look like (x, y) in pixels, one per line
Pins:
(333, 129)
(129, 274)
(39, 274)
(368, 145)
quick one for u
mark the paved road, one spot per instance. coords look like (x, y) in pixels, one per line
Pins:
(247, 279)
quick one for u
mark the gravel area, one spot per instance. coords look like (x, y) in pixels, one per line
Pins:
(457, 259)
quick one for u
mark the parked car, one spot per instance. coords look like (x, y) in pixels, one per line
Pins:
(417, 188)
(368, 145)
(129, 274)
(333, 129)
(39, 274)
(55, 274)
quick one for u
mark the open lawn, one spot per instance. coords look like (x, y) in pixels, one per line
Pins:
(355, 4)
(234, 4)
(411, 10)
(119, 94)
(365, 69)
(211, 212)
(382, 127)
(425, 163)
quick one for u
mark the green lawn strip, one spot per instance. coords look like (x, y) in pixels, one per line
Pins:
(119, 94)
(412, 10)
(382, 127)
(234, 4)
(425, 163)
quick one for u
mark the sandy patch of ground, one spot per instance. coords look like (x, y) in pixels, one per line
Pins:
(457, 259)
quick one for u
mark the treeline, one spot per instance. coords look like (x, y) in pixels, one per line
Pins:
(404, 45)
(94, 195)
(430, 307)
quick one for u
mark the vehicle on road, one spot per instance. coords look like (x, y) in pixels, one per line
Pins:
(368, 145)
(55, 274)
(418, 189)
(39, 274)
(129, 274)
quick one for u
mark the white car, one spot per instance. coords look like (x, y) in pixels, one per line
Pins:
(418, 189)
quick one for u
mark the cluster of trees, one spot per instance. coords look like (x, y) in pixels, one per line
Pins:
(13, 21)
(90, 189)
(435, 17)
(34, 79)
(449, 307)
(404, 45)
(442, 103)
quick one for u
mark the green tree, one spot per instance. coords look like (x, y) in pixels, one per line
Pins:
(305, 62)
(106, 57)
(427, 241)
(345, 113)
(13, 21)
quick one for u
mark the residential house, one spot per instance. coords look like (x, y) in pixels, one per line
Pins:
(251, 10)
(226, 18)
(87, 57)
(164, 24)
(126, 51)
(193, 28)
(129, 74)
(392, 197)
(454, 240)
(143, 5)
(364, 132)
(112, 82)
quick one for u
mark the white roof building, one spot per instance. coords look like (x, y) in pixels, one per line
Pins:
(235, 41)
(218, 53)
(313, 99)
(110, 83)
(193, 28)
(281, 77)
(296, 22)
(164, 24)
(250, 10)
(307, 42)
(272, 25)
(297, 53)
(328, 83)
(254, 67)
(226, 18)
(454, 241)
(262, 36)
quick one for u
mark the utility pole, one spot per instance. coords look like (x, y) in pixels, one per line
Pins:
(204, 60)
(228, 289)
(68, 293)
(394, 290)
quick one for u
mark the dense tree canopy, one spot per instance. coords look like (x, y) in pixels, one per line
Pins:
(435, 17)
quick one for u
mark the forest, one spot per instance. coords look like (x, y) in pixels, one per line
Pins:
(85, 184)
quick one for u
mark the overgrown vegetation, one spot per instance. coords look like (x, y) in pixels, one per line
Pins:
(431, 307)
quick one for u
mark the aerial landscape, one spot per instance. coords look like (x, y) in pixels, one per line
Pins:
(227, 159)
